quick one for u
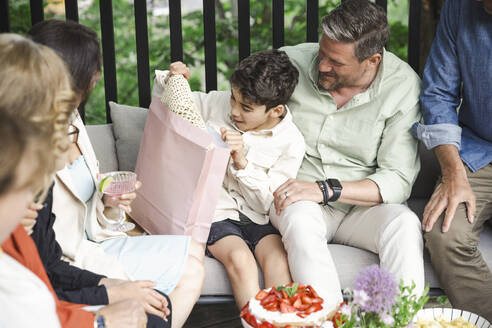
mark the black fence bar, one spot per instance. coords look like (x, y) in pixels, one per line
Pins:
(312, 23)
(37, 11)
(142, 39)
(4, 16)
(176, 30)
(383, 3)
(71, 10)
(414, 34)
(210, 45)
(278, 23)
(109, 63)
(243, 12)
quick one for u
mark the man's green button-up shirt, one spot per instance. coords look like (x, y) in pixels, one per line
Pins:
(369, 137)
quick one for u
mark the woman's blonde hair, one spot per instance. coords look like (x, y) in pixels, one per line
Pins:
(36, 91)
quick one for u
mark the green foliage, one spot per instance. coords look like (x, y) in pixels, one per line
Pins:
(406, 307)
(442, 299)
(193, 40)
(289, 290)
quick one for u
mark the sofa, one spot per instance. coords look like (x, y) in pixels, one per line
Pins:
(117, 144)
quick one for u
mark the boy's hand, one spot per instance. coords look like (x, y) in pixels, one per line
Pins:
(235, 140)
(178, 68)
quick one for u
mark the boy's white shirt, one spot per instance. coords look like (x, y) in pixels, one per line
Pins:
(274, 155)
(24, 299)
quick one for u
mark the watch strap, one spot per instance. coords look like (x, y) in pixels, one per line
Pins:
(336, 188)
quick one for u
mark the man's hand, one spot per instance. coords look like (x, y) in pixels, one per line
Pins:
(235, 140)
(296, 190)
(29, 219)
(124, 314)
(447, 196)
(122, 201)
(152, 301)
(178, 68)
(453, 190)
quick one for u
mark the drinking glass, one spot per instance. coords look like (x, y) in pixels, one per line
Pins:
(123, 182)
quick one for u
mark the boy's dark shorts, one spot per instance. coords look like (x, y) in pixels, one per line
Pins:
(245, 229)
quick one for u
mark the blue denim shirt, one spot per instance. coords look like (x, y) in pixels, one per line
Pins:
(458, 74)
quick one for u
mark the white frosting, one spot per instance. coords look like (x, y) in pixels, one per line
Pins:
(315, 318)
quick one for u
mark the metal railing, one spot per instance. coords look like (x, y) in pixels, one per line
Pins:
(244, 49)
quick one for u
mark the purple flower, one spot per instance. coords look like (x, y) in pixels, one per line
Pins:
(381, 288)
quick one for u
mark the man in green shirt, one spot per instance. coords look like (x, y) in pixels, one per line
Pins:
(355, 104)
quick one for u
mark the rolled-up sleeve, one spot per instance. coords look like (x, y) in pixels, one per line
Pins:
(398, 159)
(440, 95)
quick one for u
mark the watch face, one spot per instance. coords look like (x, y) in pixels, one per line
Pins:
(334, 183)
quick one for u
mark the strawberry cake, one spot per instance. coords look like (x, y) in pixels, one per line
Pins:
(291, 306)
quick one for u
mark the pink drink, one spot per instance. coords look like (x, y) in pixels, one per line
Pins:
(123, 183)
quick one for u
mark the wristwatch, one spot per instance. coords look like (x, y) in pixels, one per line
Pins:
(336, 187)
(99, 322)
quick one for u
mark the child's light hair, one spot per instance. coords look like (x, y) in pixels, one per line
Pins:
(36, 92)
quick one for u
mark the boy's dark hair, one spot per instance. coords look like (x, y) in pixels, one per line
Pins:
(77, 44)
(266, 78)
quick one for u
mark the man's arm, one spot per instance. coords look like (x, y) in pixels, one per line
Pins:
(363, 192)
(440, 99)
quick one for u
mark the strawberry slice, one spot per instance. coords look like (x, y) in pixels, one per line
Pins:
(251, 320)
(273, 307)
(268, 299)
(287, 308)
(297, 303)
(265, 324)
(261, 295)
(307, 300)
(303, 307)
(314, 308)
(302, 315)
(244, 310)
(313, 291)
(317, 300)
(284, 294)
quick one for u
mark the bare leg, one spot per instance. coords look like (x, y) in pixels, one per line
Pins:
(189, 287)
(240, 265)
(272, 257)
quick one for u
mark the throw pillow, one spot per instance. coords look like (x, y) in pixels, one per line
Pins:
(128, 127)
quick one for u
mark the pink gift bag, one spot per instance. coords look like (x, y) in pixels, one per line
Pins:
(181, 170)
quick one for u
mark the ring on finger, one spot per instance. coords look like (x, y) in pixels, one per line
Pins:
(286, 194)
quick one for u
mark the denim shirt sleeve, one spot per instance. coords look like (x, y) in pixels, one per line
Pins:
(440, 96)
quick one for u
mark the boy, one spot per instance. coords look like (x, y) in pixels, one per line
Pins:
(266, 150)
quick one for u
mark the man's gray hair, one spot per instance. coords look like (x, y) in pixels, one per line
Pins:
(361, 22)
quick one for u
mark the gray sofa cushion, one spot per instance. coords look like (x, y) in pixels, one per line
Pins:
(128, 126)
(102, 140)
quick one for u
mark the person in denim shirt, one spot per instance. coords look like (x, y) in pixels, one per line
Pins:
(456, 103)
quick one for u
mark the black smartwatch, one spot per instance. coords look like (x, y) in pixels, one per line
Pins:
(336, 187)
